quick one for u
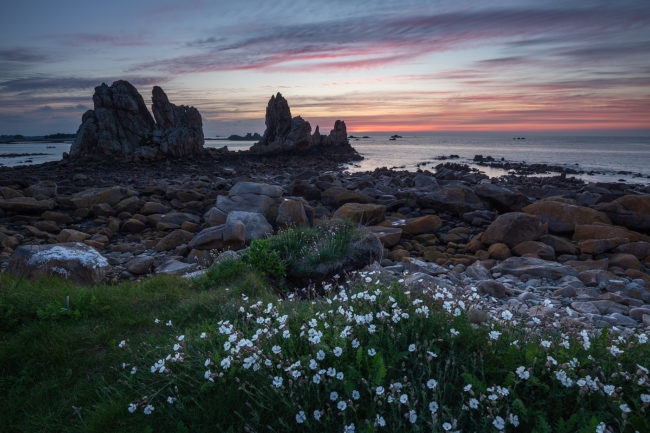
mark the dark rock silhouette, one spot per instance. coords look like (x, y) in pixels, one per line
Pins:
(293, 134)
(121, 127)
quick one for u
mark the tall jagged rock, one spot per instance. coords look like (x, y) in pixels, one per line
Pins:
(179, 129)
(121, 127)
(286, 134)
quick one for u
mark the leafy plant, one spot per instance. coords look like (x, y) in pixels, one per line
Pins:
(263, 258)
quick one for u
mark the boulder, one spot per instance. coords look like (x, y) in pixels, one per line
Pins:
(423, 224)
(174, 267)
(88, 197)
(174, 239)
(455, 198)
(499, 251)
(562, 217)
(535, 267)
(133, 225)
(631, 211)
(337, 196)
(257, 227)
(503, 198)
(152, 207)
(418, 282)
(368, 214)
(26, 205)
(534, 249)
(302, 188)
(120, 126)
(560, 245)
(599, 246)
(246, 188)
(74, 261)
(513, 228)
(42, 190)
(624, 261)
(71, 235)
(140, 265)
(388, 236)
(215, 217)
(603, 231)
(210, 238)
(491, 288)
(291, 213)
(639, 249)
(251, 197)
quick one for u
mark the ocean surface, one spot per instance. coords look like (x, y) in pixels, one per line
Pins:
(602, 158)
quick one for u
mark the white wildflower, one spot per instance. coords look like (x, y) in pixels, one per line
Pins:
(433, 407)
(432, 383)
(522, 373)
(277, 381)
(301, 417)
(341, 405)
(132, 407)
(148, 409)
(499, 423)
(413, 417)
(338, 351)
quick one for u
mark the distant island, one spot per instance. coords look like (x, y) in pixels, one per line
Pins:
(18, 138)
(248, 137)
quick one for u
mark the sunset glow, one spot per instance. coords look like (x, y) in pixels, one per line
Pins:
(396, 66)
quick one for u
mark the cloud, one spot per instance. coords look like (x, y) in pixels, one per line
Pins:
(43, 84)
(374, 40)
(23, 55)
(86, 39)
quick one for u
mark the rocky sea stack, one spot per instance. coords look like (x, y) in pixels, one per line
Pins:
(120, 127)
(286, 134)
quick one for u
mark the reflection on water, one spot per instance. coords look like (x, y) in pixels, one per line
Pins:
(604, 156)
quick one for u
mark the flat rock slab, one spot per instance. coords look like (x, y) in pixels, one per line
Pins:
(73, 260)
(519, 266)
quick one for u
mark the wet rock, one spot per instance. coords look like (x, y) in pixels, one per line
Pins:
(513, 228)
(74, 261)
(519, 266)
(640, 250)
(368, 214)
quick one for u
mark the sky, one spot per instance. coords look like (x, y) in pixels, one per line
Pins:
(444, 66)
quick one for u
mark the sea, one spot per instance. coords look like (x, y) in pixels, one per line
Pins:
(602, 159)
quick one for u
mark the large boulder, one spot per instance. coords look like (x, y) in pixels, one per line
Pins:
(284, 133)
(534, 267)
(121, 127)
(292, 213)
(455, 198)
(179, 128)
(26, 205)
(562, 217)
(603, 231)
(88, 197)
(631, 211)
(74, 261)
(251, 197)
(257, 227)
(513, 228)
(361, 213)
(503, 198)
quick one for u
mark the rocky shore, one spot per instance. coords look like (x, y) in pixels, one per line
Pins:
(554, 248)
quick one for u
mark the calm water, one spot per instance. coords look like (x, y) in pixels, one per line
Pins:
(606, 156)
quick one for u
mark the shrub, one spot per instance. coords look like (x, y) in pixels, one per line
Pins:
(260, 256)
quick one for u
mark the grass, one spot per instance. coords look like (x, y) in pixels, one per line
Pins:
(230, 341)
